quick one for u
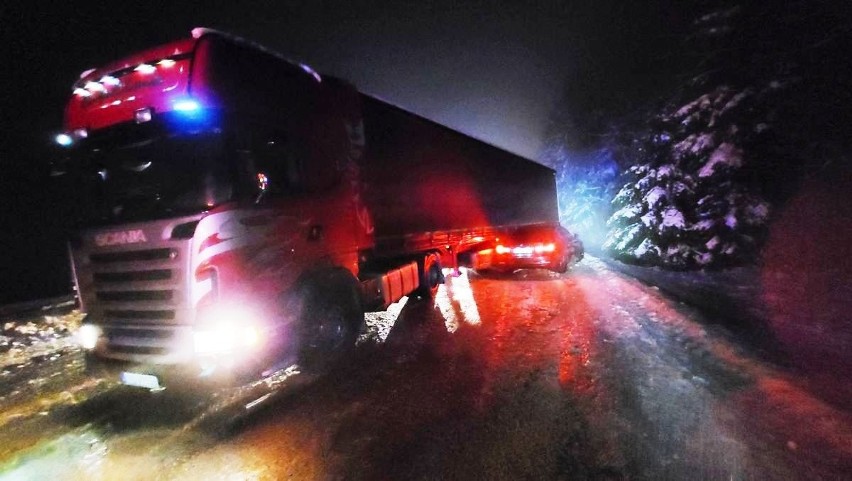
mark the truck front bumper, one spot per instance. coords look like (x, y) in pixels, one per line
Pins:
(191, 376)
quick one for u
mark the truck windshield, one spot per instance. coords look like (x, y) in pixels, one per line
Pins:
(150, 179)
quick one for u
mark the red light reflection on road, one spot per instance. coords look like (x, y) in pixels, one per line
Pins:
(577, 341)
(455, 301)
(572, 357)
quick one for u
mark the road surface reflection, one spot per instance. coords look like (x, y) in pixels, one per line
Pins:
(588, 375)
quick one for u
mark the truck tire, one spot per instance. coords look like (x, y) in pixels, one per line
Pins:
(330, 317)
(431, 276)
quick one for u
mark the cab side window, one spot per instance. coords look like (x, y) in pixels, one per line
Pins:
(269, 162)
(275, 158)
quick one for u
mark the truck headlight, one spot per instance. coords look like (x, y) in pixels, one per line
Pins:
(225, 330)
(88, 336)
(225, 338)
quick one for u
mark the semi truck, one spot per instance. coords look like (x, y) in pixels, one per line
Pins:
(238, 211)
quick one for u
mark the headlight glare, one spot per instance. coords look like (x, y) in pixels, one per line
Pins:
(225, 330)
(88, 336)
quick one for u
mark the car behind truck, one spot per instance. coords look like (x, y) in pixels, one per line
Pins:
(238, 212)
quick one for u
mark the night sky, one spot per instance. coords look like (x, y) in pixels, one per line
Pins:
(498, 73)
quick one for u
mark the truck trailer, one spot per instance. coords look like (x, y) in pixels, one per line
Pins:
(239, 212)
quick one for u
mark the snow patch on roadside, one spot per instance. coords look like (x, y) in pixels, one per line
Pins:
(28, 340)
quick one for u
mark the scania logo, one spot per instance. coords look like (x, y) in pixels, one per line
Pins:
(120, 238)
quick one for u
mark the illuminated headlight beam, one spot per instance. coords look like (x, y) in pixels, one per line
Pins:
(88, 336)
(225, 337)
(227, 329)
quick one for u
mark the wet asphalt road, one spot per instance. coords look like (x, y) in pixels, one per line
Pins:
(587, 375)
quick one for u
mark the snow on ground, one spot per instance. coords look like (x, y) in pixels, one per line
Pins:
(732, 291)
(29, 337)
(588, 375)
(741, 301)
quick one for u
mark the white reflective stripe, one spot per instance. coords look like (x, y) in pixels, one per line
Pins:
(226, 246)
(201, 289)
(214, 224)
(140, 380)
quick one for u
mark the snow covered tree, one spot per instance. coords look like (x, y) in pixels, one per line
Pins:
(692, 200)
(724, 116)
(759, 106)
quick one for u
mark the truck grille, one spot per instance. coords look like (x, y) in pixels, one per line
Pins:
(135, 295)
(155, 275)
(144, 341)
(140, 297)
(144, 350)
(158, 316)
(129, 256)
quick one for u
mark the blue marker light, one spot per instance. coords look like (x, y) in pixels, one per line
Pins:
(190, 115)
(187, 105)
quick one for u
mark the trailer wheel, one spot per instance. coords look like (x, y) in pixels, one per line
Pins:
(431, 276)
(330, 317)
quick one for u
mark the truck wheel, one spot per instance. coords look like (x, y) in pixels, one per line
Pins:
(431, 276)
(329, 320)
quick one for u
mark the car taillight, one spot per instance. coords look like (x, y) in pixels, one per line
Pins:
(542, 248)
(525, 250)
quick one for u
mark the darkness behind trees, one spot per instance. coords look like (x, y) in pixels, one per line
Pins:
(789, 57)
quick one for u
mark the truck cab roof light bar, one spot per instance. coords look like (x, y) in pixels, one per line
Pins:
(113, 79)
(145, 68)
